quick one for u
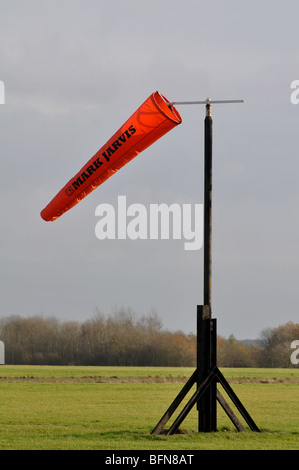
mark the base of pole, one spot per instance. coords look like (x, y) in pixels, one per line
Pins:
(206, 362)
(206, 377)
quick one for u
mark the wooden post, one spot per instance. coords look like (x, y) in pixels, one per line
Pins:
(208, 131)
(206, 328)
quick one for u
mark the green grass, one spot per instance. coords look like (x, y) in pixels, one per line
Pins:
(77, 414)
(91, 371)
(109, 371)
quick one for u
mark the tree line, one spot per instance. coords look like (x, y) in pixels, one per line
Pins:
(123, 339)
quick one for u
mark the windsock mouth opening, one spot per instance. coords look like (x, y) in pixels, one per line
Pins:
(166, 107)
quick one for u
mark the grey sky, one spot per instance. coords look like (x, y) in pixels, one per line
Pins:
(74, 71)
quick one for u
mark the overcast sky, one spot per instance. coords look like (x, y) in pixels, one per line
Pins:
(74, 72)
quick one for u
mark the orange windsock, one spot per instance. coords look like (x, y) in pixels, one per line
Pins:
(155, 117)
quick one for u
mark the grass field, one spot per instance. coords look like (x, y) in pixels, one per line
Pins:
(110, 408)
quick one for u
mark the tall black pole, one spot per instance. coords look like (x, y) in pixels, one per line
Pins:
(206, 327)
(208, 128)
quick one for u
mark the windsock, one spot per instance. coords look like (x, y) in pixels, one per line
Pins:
(153, 119)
